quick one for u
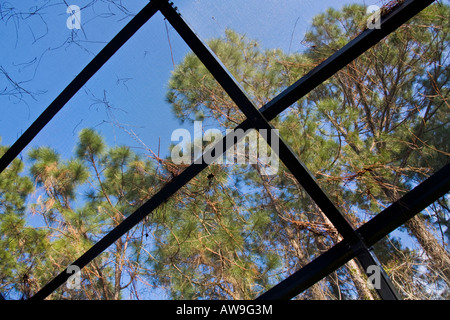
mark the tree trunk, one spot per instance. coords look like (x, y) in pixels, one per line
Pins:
(317, 293)
(416, 226)
(357, 277)
(354, 270)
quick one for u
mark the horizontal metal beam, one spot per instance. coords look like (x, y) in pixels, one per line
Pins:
(405, 208)
(78, 82)
(355, 48)
(372, 231)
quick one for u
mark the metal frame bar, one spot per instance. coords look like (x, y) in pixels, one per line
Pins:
(355, 243)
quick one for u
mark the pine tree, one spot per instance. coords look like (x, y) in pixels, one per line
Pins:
(21, 246)
(368, 134)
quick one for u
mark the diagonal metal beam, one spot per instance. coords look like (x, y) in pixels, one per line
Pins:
(372, 231)
(281, 102)
(257, 120)
(78, 82)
